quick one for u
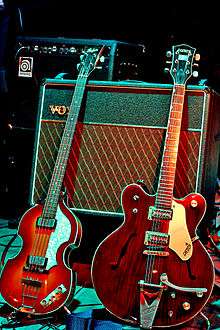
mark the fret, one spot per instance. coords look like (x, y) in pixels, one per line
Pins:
(165, 201)
(165, 196)
(167, 172)
(175, 111)
(166, 181)
(166, 189)
(169, 162)
(169, 156)
(162, 204)
(164, 192)
(177, 103)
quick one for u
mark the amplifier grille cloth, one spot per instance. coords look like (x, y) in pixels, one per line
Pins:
(105, 158)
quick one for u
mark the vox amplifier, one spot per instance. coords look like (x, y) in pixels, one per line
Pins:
(119, 140)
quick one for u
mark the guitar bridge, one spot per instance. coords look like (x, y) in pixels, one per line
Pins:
(150, 295)
(32, 282)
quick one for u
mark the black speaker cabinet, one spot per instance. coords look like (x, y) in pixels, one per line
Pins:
(119, 140)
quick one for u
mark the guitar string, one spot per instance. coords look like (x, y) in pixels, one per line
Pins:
(44, 219)
(46, 213)
(156, 224)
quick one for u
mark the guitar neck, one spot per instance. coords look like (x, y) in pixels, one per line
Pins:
(53, 195)
(168, 168)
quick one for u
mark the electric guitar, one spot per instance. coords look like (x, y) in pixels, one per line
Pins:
(38, 280)
(153, 270)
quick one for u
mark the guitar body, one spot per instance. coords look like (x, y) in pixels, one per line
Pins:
(28, 286)
(119, 262)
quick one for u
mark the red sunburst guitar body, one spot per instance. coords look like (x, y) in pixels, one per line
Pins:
(43, 284)
(153, 270)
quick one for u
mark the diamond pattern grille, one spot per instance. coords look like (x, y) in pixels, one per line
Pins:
(105, 158)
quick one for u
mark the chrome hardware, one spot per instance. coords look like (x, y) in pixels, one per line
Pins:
(136, 197)
(53, 296)
(160, 214)
(156, 238)
(199, 291)
(186, 306)
(195, 74)
(197, 57)
(148, 308)
(170, 314)
(173, 295)
(194, 203)
(135, 211)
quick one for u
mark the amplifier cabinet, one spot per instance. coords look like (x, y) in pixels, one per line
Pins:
(60, 56)
(119, 140)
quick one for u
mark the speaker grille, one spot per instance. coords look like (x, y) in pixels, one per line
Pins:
(105, 158)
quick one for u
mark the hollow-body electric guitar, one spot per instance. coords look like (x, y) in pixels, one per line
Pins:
(39, 280)
(153, 270)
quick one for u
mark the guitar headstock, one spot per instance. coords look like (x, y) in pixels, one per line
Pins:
(89, 60)
(182, 61)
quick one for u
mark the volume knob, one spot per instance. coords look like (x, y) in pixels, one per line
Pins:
(186, 306)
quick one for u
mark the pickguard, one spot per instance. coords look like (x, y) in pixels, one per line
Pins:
(59, 236)
(180, 240)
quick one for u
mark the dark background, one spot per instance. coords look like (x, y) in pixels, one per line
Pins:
(157, 26)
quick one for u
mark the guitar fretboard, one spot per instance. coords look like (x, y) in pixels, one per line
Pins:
(53, 195)
(168, 168)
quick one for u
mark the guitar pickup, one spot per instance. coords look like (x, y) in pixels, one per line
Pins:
(36, 264)
(46, 223)
(160, 214)
(154, 238)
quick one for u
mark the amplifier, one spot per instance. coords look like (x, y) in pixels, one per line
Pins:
(48, 57)
(119, 140)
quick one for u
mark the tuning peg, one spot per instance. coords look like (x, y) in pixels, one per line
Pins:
(102, 59)
(166, 70)
(195, 65)
(197, 57)
(168, 53)
(169, 62)
(195, 74)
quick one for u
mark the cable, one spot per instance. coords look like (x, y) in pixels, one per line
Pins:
(206, 320)
(2, 261)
